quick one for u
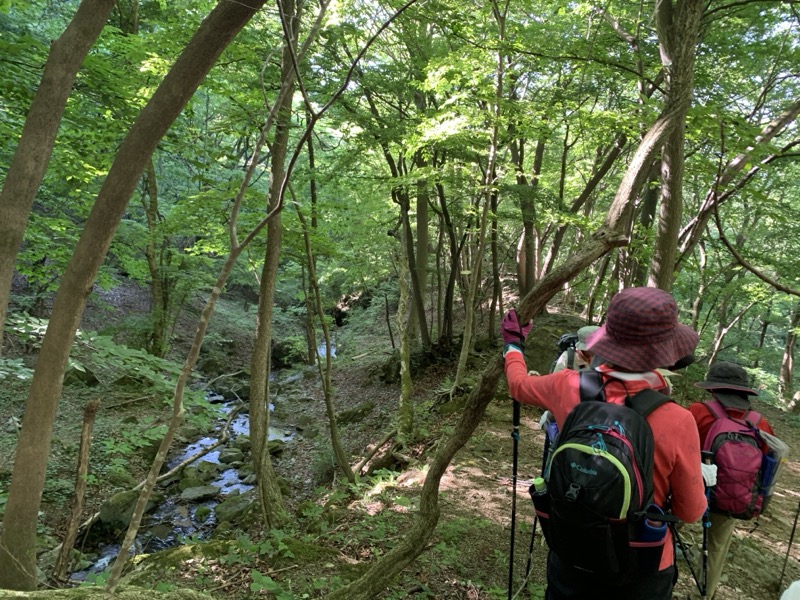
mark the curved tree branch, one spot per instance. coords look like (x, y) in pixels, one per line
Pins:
(740, 259)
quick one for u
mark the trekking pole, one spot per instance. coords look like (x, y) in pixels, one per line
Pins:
(515, 437)
(789, 548)
(685, 552)
(707, 458)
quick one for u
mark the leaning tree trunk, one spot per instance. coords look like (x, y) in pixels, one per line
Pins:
(39, 135)
(18, 542)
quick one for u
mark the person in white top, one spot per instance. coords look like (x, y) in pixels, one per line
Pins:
(579, 357)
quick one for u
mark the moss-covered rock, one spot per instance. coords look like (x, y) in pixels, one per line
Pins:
(117, 510)
(355, 414)
(233, 508)
(198, 494)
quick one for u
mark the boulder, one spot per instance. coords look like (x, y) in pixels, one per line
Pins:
(117, 510)
(197, 494)
(233, 508)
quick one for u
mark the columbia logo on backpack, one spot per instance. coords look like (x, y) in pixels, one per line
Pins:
(598, 506)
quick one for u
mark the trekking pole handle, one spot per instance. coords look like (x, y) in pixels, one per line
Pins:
(707, 456)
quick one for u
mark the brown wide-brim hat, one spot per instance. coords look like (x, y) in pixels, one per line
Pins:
(727, 376)
(642, 332)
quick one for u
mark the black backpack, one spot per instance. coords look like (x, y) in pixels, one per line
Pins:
(566, 343)
(597, 514)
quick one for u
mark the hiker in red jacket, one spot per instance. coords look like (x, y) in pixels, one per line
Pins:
(729, 385)
(641, 333)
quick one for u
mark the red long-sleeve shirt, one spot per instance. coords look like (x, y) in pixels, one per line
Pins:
(677, 480)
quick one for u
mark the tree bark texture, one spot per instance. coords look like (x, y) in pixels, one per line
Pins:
(39, 135)
(65, 555)
(273, 509)
(678, 30)
(18, 542)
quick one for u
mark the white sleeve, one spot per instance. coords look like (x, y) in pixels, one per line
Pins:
(561, 363)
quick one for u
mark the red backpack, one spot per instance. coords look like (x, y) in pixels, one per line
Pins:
(736, 447)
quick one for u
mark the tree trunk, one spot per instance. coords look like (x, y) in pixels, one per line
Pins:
(423, 241)
(273, 509)
(405, 408)
(488, 184)
(785, 381)
(18, 542)
(160, 281)
(38, 137)
(678, 31)
(325, 372)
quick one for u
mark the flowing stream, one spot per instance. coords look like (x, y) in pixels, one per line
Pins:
(175, 519)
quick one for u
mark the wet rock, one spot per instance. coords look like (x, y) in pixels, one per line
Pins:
(196, 494)
(231, 455)
(117, 510)
(207, 470)
(276, 447)
(202, 513)
(190, 482)
(242, 443)
(233, 508)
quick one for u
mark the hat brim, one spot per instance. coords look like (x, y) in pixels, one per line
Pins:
(646, 356)
(718, 385)
(580, 346)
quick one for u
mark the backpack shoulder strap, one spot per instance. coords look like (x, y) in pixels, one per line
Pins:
(591, 386)
(647, 401)
(571, 357)
(752, 417)
(716, 409)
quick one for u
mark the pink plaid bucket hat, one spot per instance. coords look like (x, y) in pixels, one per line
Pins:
(642, 332)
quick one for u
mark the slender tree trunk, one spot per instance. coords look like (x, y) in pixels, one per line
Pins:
(497, 288)
(18, 541)
(405, 409)
(160, 281)
(766, 321)
(423, 241)
(65, 555)
(325, 372)
(722, 331)
(446, 330)
(697, 305)
(38, 137)
(488, 183)
(273, 509)
(785, 380)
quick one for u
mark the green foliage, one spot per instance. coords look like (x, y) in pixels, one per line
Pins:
(14, 367)
(265, 583)
(247, 551)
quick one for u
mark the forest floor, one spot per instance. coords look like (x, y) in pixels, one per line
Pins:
(468, 556)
